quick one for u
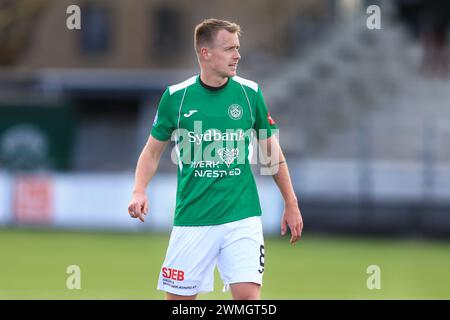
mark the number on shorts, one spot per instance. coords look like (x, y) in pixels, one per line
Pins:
(261, 259)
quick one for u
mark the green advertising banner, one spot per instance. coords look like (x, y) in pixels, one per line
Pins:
(36, 136)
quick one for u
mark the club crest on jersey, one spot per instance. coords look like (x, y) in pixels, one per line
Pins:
(228, 155)
(235, 111)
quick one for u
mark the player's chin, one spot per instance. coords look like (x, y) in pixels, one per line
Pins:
(232, 72)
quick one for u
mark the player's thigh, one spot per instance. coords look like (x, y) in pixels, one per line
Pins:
(241, 258)
(190, 260)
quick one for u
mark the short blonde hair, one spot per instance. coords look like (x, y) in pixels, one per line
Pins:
(206, 31)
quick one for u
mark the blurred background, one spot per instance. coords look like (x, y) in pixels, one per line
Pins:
(364, 117)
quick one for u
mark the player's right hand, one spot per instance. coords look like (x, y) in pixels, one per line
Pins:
(138, 207)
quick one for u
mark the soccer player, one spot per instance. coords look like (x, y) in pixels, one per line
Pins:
(214, 118)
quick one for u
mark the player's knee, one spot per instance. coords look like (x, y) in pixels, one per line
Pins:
(245, 291)
(247, 295)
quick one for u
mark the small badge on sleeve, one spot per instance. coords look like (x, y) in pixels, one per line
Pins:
(269, 118)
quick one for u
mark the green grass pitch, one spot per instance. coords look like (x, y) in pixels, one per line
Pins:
(33, 265)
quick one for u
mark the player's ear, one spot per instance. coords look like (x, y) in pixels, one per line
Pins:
(204, 52)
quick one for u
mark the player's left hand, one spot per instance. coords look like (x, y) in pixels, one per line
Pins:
(292, 218)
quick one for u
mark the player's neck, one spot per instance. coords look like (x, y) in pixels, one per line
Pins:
(212, 80)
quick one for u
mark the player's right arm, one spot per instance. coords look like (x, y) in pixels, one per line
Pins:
(163, 126)
(145, 170)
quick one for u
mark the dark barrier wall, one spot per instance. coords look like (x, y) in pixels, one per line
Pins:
(36, 136)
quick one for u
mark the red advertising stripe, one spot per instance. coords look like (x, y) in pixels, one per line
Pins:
(33, 200)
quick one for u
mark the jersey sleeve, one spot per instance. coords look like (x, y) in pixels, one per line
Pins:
(164, 122)
(264, 124)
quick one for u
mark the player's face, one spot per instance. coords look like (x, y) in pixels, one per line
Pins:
(224, 54)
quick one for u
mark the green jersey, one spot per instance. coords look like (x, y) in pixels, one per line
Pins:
(214, 130)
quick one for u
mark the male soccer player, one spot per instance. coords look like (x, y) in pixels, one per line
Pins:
(213, 118)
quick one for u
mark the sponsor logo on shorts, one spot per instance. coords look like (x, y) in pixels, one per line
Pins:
(185, 285)
(176, 279)
(174, 274)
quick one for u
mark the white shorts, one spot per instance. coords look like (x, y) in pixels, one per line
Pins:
(236, 247)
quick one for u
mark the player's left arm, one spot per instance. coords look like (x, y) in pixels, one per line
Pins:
(277, 167)
(280, 173)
